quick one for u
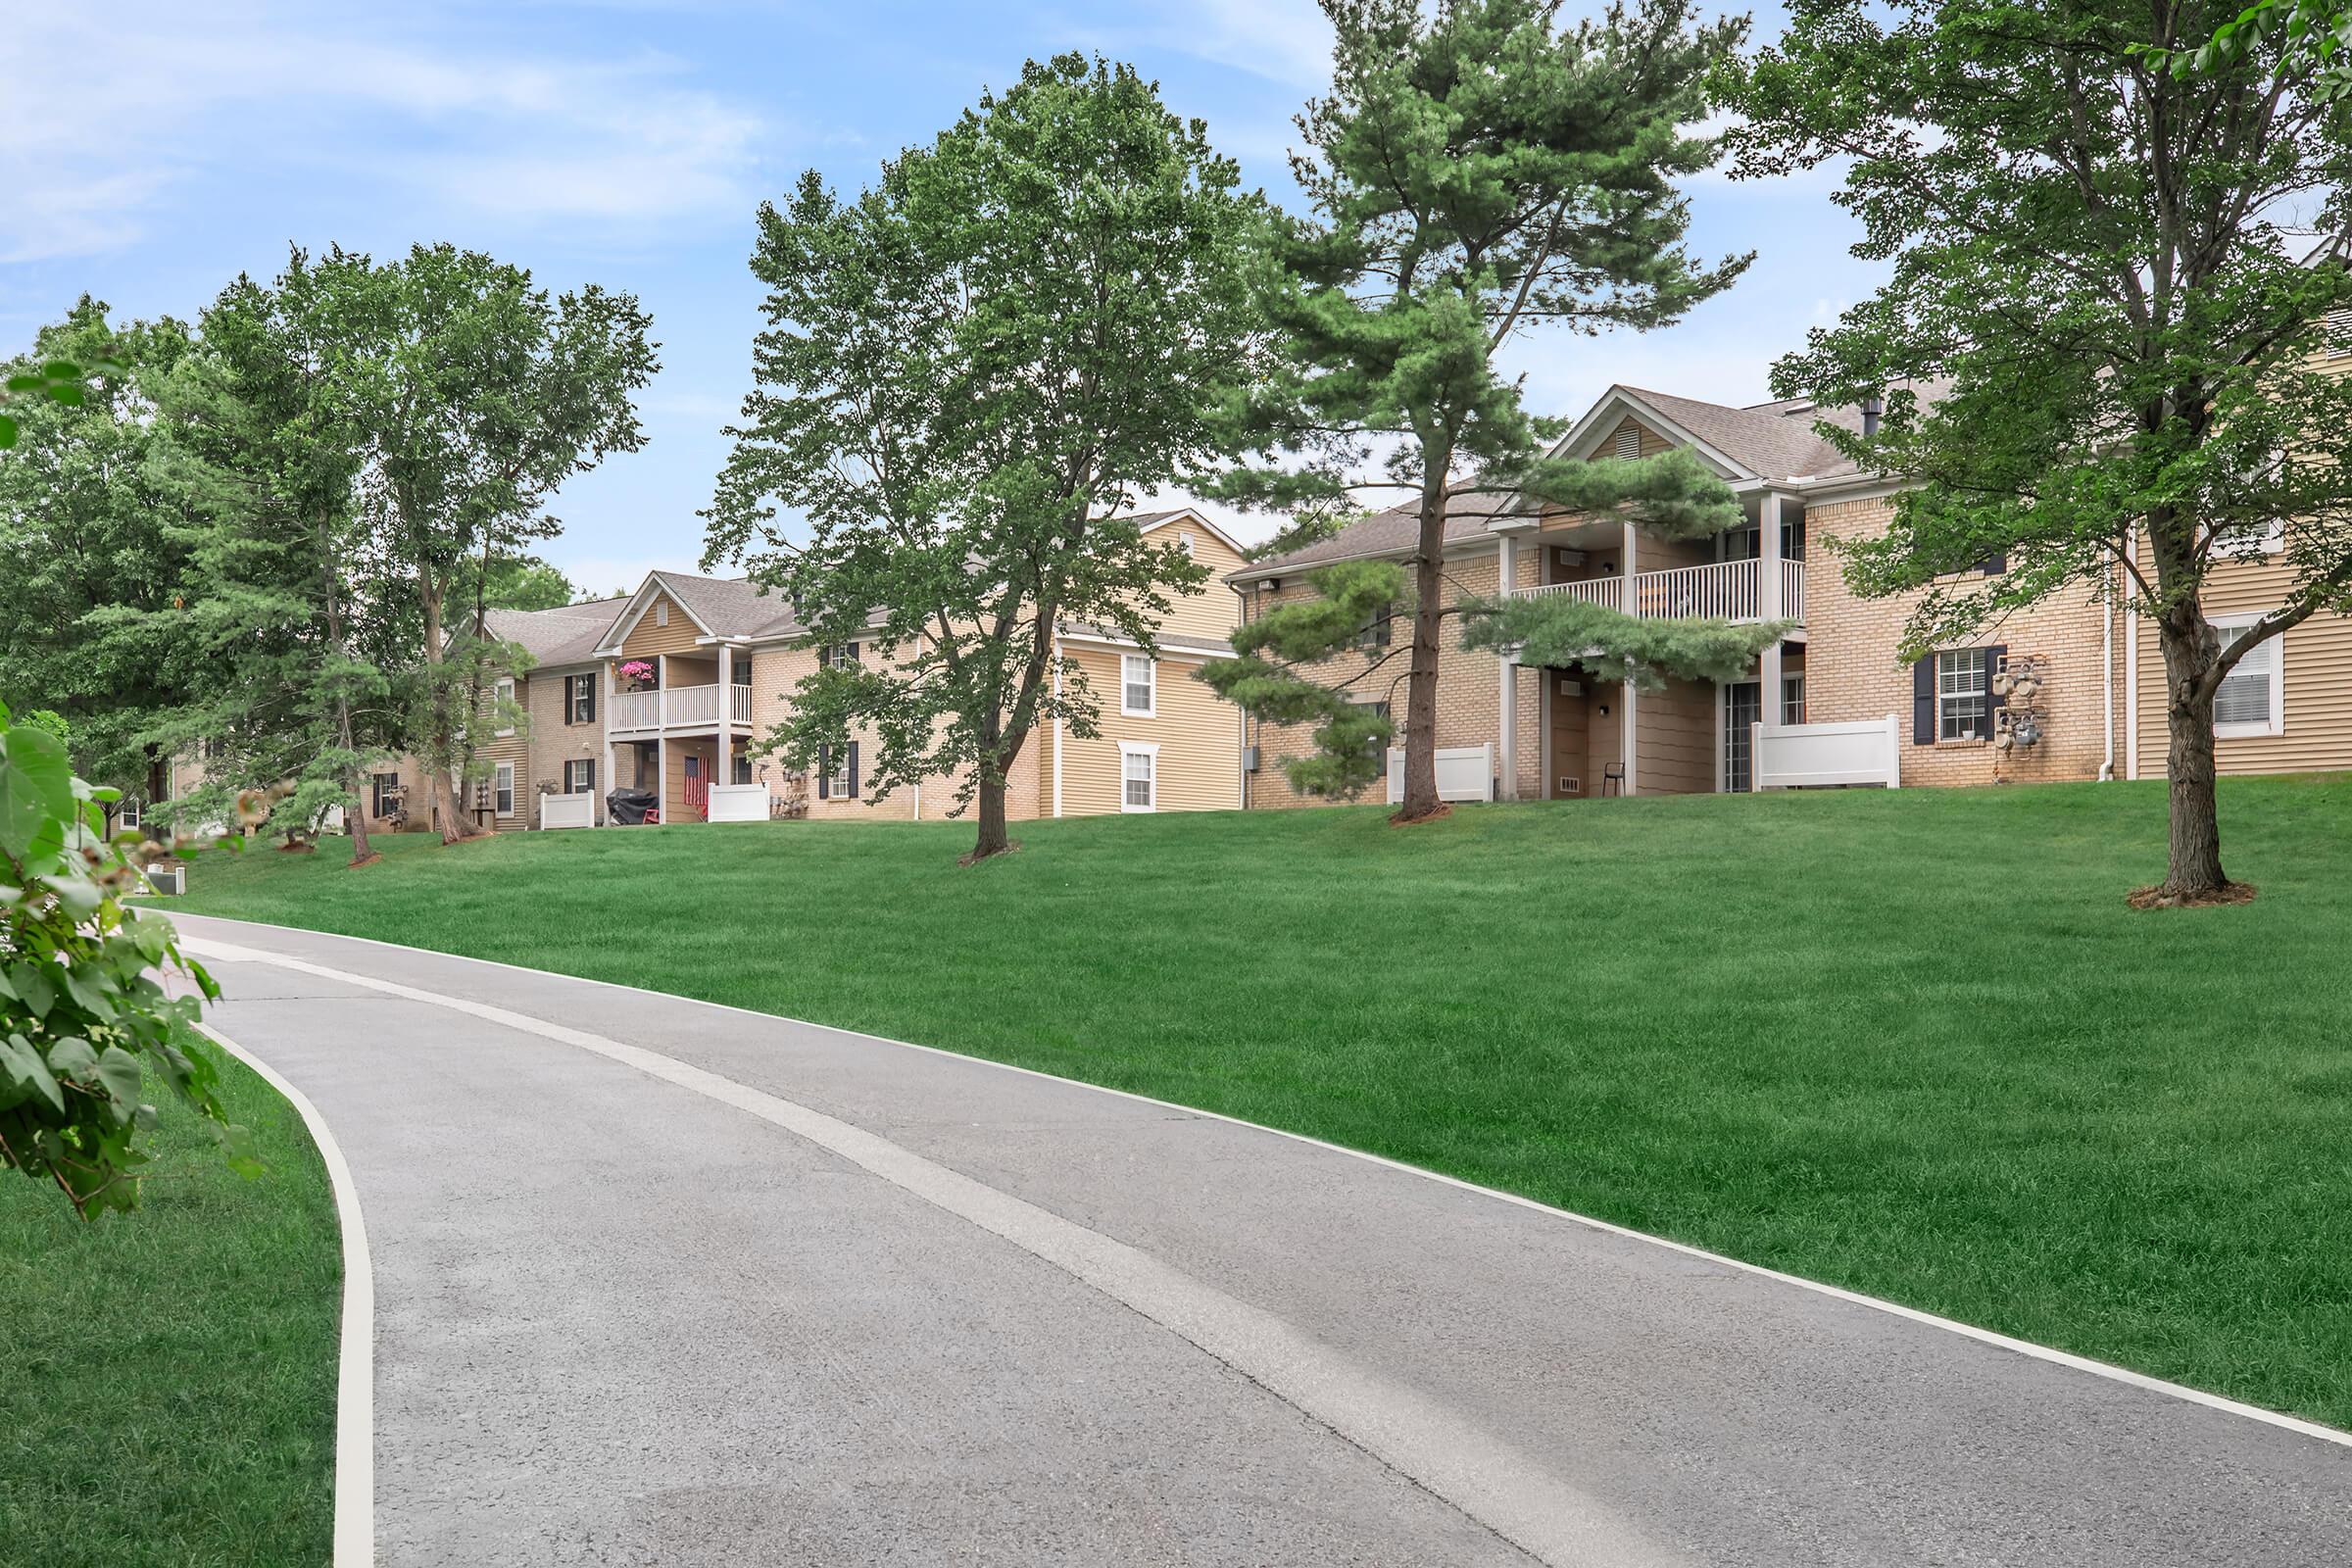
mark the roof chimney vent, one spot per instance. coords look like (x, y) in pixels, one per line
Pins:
(1872, 407)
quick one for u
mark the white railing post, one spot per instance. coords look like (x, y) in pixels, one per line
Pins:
(1768, 608)
(1506, 702)
(725, 767)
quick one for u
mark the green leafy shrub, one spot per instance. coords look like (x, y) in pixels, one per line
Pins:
(83, 1017)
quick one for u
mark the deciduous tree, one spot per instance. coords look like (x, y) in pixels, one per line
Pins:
(2089, 251)
(969, 373)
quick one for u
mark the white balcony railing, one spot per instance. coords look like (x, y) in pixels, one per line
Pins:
(1722, 590)
(676, 708)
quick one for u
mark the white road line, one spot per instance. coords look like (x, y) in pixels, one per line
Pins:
(1970, 1331)
(355, 1366)
(1469, 1467)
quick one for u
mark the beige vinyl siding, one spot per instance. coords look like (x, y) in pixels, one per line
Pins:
(674, 788)
(2315, 675)
(1652, 443)
(1213, 611)
(645, 638)
(1673, 731)
(1197, 733)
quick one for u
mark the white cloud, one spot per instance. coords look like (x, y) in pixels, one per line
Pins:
(181, 93)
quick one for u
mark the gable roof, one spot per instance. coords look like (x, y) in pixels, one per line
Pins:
(1145, 521)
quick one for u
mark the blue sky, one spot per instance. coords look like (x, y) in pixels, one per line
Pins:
(150, 153)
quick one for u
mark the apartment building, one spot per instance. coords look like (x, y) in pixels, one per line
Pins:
(670, 691)
(2072, 689)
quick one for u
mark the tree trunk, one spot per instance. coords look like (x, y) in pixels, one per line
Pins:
(1421, 674)
(2193, 857)
(992, 838)
(453, 822)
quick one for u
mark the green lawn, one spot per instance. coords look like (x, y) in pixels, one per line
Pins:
(1912, 1043)
(168, 1376)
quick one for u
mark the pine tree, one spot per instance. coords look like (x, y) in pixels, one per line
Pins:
(1478, 170)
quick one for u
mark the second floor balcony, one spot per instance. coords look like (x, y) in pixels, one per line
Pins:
(1721, 590)
(678, 707)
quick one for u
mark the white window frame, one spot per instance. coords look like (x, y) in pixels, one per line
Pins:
(501, 696)
(127, 812)
(660, 611)
(1792, 685)
(1150, 752)
(1128, 683)
(586, 765)
(502, 789)
(2243, 546)
(2276, 650)
(1982, 693)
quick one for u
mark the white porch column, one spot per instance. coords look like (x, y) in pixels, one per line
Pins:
(1768, 607)
(661, 778)
(604, 724)
(1506, 705)
(725, 769)
(1630, 733)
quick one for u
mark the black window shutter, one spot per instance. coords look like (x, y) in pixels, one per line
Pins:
(824, 772)
(1922, 702)
(848, 655)
(1992, 702)
(852, 768)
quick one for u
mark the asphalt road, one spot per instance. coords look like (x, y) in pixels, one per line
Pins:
(660, 1283)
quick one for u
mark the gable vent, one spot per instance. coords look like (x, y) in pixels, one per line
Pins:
(1629, 440)
(2339, 334)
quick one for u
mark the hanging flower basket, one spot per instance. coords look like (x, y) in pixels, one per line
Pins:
(638, 673)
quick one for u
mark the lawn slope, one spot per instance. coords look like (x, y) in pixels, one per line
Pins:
(1910, 1043)
(168, 1376)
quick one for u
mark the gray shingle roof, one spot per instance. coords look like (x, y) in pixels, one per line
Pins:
(1772, 440)
(1394, 532)
(731, 607)
(566, 635)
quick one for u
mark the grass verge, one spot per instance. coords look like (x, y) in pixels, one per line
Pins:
(1910, 1043)
(168, 1376)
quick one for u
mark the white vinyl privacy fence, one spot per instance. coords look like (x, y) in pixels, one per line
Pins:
(1797, 756)
(1464, 773)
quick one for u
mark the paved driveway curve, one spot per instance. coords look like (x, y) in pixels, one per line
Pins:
(669, 1283)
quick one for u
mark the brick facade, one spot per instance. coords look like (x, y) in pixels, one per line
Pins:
(1853, 671)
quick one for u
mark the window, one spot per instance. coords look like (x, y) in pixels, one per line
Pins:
(129, 814)
(1138, 776)
(1137, 675)
(741, 772)
(579, 699)
(2251, 699)
(837, 772)
(743, 667)
(1793, 699)
(1376, 627)
(837, 656)
(503, 780)
(2251, 540)
(1376, 707)
(385, 788)
(1629, 440)
(1964, 695)
(579, 776)
(502, 698)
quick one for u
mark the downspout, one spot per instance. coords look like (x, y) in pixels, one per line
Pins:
(2130, 677)
(2107, 672)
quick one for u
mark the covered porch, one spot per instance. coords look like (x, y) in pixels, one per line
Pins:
(688, 778)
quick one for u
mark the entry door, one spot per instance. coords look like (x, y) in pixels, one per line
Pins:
(1742, 706)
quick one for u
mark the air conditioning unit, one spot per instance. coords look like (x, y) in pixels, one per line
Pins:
(1571, 786)
(1569, 557)
(171, 880)
(1249, 758)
